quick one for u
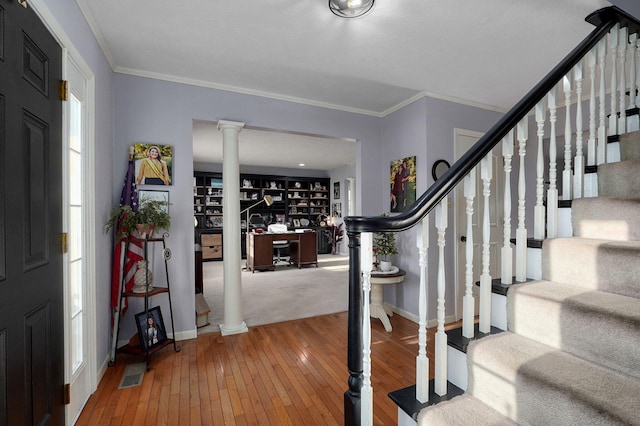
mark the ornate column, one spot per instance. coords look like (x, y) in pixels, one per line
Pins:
(233, 322)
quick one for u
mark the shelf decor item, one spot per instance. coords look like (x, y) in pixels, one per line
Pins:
(151, 328)
(151, 214)
(143, 278)
(385, 245)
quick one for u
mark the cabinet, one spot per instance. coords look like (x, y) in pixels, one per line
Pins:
(208, 200)
(148, 295)
(211, 246)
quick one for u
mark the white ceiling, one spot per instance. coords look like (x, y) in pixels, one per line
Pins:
(488, 52)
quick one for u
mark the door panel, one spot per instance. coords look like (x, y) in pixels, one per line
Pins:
(31, 291)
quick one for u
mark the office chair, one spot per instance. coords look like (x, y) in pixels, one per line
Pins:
(278, 246)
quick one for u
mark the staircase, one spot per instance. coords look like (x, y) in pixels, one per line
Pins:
(571, 355)
(569, 300)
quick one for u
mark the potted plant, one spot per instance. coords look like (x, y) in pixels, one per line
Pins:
(151, 214)
(384, 244)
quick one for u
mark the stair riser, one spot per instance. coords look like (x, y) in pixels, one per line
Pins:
(606, 218)
(619, 179)
(593, 264)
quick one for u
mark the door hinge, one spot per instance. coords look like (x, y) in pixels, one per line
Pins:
(64, 237)
(67, 393)
(64, 90)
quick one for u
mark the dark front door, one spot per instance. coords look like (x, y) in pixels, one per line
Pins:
(31, 293)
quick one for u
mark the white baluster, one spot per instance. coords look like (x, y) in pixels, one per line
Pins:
(613, 47)
(538, 211)
(623, 38)
(578, 162)
(552, 191)
(422, 361)
(486, 173)
(440, 381)
(567, 175)
(633, 122)
(366, 260)
(633, 84)
(468, 302)
(635, 59)
(507, 251)
(591, 145)
(521, 232)
(602, 128)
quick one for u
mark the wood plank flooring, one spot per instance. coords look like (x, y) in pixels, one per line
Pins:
(288, 373)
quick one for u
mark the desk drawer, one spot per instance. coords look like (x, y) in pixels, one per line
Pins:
(212, 252)
(211, 240)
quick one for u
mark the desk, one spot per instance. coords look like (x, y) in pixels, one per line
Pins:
(376, 306)
(303, 249)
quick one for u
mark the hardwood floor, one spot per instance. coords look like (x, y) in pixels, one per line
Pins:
(288, 373)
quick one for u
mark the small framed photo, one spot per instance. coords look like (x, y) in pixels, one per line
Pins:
(148, 194)
(296, 223)
(151, 328)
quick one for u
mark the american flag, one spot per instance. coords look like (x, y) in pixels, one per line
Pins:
(128, 197)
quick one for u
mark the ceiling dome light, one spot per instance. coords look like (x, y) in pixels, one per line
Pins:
(350, 8)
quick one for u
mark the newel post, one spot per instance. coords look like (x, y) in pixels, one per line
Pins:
(352, 396)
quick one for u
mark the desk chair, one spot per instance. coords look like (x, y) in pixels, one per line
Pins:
(278, 246)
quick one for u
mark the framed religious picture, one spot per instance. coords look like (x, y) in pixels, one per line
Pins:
(403, 184)
(151, 328)
(336, 190)
(154, 164)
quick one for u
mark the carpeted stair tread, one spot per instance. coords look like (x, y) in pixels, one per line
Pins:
(593, 264)
(606, 218)
(619, 179)
(586, 323)
(463, 410)
(532, 383)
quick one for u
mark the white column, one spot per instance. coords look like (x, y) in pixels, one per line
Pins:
(552, 191)
(422, 361)
(366, 261)
(521, 231)
(507, 251)
(567, 175)
(233, 323)
(601, 148)
(578, 162)
(623, 39)
(440, 380)
(486, 173)
(591, 147)
(613, 45)
(538, 211)
(468, 302)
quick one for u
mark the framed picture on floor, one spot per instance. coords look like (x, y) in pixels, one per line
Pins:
(151, 328)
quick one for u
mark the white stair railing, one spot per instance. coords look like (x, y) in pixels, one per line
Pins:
(617, 55)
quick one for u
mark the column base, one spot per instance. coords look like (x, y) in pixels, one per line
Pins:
(239, 329)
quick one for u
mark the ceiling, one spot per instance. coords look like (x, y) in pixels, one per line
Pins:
(486, 53)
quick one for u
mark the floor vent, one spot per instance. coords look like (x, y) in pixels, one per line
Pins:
(133, 375)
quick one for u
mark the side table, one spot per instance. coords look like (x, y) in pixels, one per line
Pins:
(376, 305)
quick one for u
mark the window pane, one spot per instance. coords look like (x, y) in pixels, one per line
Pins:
(75, 285)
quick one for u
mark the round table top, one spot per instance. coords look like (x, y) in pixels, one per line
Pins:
(395, 278)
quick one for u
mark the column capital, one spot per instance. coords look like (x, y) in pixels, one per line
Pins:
(226, 124)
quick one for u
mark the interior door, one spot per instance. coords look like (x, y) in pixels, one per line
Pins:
(464, 140)
(31, 286)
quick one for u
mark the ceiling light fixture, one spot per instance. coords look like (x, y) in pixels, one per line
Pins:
(350, 8)
(301, 165)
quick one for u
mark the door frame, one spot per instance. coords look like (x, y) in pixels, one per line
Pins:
(70, 53)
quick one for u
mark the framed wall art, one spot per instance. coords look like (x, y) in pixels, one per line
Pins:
(403, 184)
(154, 164)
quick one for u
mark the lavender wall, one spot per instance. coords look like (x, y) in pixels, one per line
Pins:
(425, 129)
(157, 111)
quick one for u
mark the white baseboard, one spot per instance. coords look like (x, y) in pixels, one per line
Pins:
(414, 318)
